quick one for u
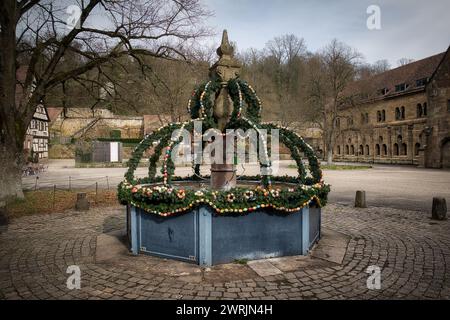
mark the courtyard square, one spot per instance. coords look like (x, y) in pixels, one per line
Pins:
(412, 251)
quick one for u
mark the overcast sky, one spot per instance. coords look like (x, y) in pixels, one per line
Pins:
(409, 28)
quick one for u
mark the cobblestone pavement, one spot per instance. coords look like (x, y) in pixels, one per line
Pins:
(412, 250)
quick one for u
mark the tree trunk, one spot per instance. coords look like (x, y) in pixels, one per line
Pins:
(13, 122)
(11, 159)
(329, 156)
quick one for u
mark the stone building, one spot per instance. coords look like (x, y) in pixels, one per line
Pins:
(93, 123)
(401, 116)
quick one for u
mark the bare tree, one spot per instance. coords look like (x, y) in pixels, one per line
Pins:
(404, 61)
(39, 35)
(330, 72)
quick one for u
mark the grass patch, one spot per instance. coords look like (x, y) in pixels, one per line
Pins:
(45, 201)
(241, 261)
(338, 167)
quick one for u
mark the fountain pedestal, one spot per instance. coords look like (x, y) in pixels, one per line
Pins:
(203, 237)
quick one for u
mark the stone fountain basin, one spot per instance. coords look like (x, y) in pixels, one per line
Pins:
(204, 237)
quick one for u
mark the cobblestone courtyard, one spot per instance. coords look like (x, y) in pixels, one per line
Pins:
(412, 251)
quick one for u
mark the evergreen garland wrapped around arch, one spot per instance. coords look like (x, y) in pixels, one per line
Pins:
(157, 194)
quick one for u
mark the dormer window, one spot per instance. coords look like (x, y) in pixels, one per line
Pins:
(383, 91)
(401, 87)
(421, 82)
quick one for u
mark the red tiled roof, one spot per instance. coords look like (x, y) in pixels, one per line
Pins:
(53, 113)
(407, 74)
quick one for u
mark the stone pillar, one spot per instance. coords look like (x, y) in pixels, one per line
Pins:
(388, 144)
(82, 203)
(223, 176)
(410, 144)
(360, 199)
(439, 209)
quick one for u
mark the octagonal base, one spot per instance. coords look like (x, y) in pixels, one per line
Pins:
(201, 236)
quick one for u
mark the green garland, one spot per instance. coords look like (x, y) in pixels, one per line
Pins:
(165, 199)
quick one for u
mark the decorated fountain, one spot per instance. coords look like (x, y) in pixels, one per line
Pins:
(223, 217)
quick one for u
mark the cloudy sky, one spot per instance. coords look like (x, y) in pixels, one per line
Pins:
(409, 28)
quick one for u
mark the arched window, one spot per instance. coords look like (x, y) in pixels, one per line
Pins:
(346, 149)
(416, 149)
(367, 150)
(395, 149)
(384, 150)
(419, 110)
(424, 109)
(404, 149)
(402, 111)
(399, 138)
(352, 149)
(383, 115)
(377, 148)
(361, 150)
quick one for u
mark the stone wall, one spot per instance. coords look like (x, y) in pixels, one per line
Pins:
(378, 141)
(437, 153)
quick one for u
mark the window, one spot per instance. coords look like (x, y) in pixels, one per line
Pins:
(383, 91)
(377, 149)
(395, 149)
(381, 116)
(367, 150)
(419, 111)
(346, 149)
(352, 149)
(338, 149)
(421, 82)
(349, 122)
(401, 87)
(424, 109)
(361, 150)
(416, 149)
(400, 113)
(404, 149)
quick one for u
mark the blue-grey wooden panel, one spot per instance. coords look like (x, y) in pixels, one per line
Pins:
(314, 224)
(256, 235)
(171, 237)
